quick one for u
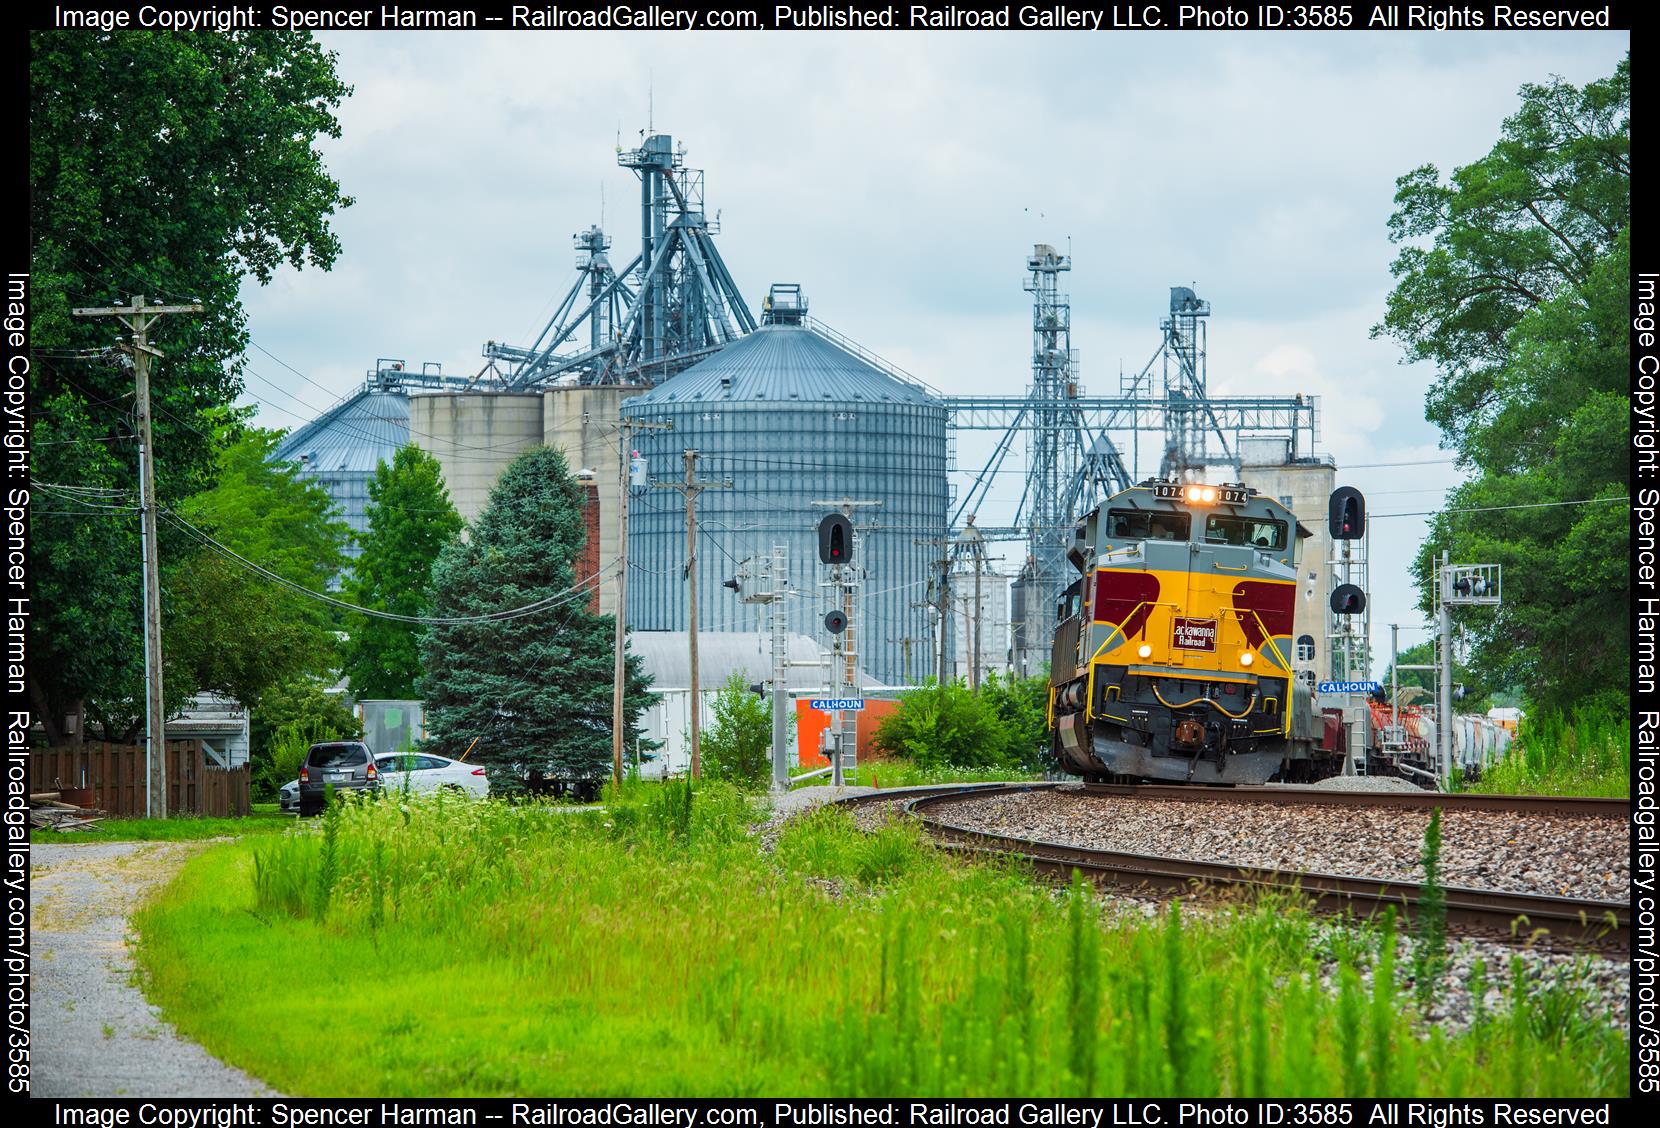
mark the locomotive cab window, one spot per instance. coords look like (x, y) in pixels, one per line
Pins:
(1070, 603)
(1142, 524)
(1251, 532)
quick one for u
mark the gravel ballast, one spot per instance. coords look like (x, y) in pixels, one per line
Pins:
(1553, 855)
(94, 1033)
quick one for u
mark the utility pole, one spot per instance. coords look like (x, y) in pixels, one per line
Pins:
(1444, 676)
(690, 488)
(977, 545)
(139, 317)
(946, 663)
(625, 464)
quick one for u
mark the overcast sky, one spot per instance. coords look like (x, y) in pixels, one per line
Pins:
(902, 179)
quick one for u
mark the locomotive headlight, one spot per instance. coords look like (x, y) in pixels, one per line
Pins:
(1247, 658)
(1145, 651)
(1208, 495)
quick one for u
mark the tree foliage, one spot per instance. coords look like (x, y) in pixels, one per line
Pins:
(410, 519)
(1514, 280)
(944, 725)
(226, 629)
(288, 719)
(534, 690)
(1022, 707)
(737, 747)
(175, 166)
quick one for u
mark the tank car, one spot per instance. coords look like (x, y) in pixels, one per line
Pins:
(1172, 658)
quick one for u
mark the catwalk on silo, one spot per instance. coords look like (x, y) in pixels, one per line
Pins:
(791, 417)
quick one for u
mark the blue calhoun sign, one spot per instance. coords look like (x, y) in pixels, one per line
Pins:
(835, 704)
(1349, 687)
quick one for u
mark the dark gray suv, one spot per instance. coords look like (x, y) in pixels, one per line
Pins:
(344, 764)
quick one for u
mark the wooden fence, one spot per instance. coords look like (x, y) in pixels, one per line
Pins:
(115, 773)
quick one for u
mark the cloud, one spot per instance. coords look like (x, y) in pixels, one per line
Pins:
(902, 179)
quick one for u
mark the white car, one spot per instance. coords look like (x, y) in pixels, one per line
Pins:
(422, 771)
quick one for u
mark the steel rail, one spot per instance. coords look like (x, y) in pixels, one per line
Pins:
(1602, 927)
(1571, 805)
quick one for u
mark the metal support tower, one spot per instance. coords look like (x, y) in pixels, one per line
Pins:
(1348, 637)
(773, 572)
(1189, 424)
(1055, 467)
(673, 304)
(1074, 462)
(1457, 585)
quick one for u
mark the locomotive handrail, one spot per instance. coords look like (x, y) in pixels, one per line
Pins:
(1250, 700)
(1117, 629)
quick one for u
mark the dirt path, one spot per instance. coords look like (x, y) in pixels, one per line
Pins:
(94, 1033)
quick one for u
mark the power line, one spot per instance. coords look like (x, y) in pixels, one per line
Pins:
(1381, 465)
(1500, 508)
(545, 604)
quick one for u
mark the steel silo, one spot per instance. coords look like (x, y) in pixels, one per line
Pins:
(793, 415)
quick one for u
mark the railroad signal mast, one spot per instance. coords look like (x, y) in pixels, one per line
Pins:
(1457, 585)
(838, 544)
(1348, 622)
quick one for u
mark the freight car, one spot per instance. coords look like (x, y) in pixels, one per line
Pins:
(1172, 657)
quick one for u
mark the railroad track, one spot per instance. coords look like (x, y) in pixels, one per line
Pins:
(1558, 923)
(1569, 805)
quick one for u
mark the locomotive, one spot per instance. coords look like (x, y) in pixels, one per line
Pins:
(1172, 656)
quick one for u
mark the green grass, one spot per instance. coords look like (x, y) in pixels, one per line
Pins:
(653, 949)
(906, 773)
(1587, 753)
(182, 828)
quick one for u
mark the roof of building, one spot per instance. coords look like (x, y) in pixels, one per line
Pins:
(353, 436)
(720, 654)
(783, 362)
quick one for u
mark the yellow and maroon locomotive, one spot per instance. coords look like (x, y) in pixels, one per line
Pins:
(1172, 657)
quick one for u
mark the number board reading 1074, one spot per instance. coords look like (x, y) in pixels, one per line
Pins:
(835, 704)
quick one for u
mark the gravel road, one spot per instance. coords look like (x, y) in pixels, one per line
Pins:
(1547, 854)
(94, 1033)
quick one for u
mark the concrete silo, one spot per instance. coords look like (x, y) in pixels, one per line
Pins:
(791, 417)
(341, 448)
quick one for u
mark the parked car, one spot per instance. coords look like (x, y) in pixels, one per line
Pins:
(346, 765)
(422, 771)
(289, 794)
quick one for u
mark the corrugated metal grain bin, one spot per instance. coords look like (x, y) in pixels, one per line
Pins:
(790, 417)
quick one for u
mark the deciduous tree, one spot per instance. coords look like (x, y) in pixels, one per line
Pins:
(1514, 280)
(410, 520)
(176, 166)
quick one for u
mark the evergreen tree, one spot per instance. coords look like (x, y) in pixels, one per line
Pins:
(533, 690)
(410, 519)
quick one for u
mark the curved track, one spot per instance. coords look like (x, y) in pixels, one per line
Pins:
(1571, 805)
(1601, 927)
